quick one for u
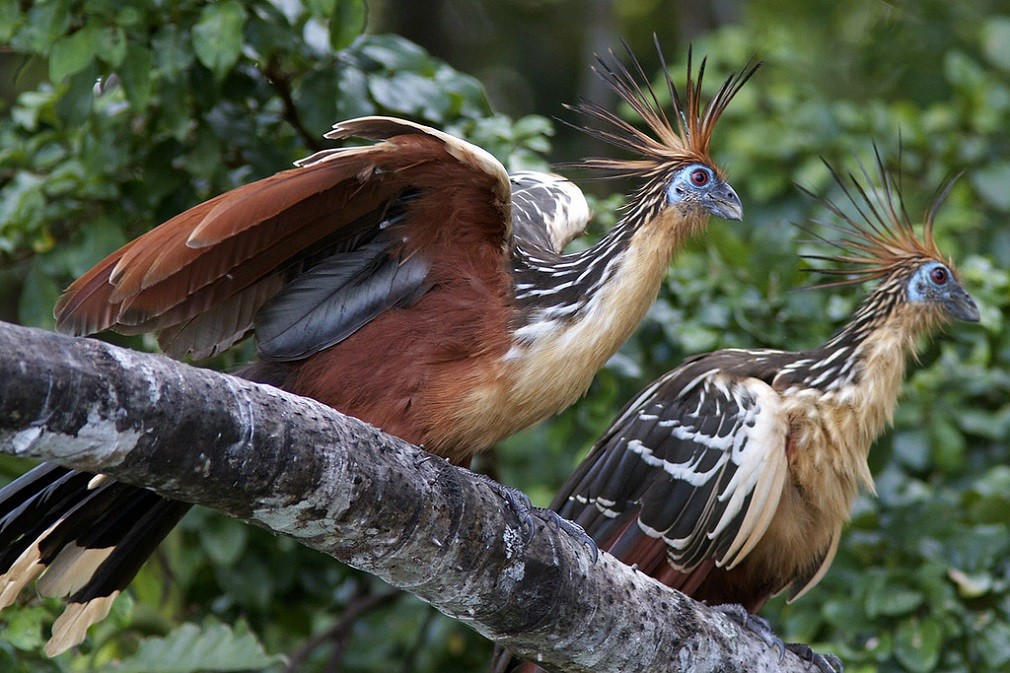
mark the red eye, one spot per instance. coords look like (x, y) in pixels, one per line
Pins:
(699, 177)
(939, 275)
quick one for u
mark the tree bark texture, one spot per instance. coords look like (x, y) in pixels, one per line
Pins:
(368, 499)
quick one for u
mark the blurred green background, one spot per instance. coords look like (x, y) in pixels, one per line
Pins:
(212, 95)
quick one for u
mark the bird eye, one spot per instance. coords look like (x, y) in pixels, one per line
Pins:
(939, 275)
(699, 177)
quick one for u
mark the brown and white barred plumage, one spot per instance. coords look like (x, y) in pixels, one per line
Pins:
(730, 477)
(734, 473)
(386, 281)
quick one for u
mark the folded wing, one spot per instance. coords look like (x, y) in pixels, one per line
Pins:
(690, 474)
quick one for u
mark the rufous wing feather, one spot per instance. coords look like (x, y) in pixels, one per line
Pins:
(227, 247)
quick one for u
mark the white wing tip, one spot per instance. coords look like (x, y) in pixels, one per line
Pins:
(71, 627)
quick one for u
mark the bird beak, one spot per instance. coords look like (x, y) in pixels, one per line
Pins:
(960, 305)
(723, 202)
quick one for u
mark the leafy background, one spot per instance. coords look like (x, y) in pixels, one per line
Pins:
(198, 97)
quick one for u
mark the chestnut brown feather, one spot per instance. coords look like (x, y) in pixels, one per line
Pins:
(224, 246)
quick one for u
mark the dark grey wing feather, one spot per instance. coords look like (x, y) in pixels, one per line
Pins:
(698, 458)
(334, 298)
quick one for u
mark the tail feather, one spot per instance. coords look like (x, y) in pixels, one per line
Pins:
(26, 521)
(86, 535)
(135, 546)
(70, 627)
(27, 486)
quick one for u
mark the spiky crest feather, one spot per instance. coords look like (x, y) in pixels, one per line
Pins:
(670, 146)
(880, 237)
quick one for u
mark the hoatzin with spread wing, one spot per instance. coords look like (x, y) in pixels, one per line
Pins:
(730, 477)
(394, 282)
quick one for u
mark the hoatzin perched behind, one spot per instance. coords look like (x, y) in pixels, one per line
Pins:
(394, 282)
(730, 477)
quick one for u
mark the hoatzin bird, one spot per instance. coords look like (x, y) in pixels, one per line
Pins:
(730, 477)
(394, 282)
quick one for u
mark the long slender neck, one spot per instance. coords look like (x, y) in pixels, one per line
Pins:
(627, 264)
(572, 312)
(548, 283)
(861, 368)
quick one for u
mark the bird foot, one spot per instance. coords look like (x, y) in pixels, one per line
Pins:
(558, 522)
(759, 626)
(526, 513)
(825, 663)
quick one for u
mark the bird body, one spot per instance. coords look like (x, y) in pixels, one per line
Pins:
(732, 476)
(454, 408)
(410, 283)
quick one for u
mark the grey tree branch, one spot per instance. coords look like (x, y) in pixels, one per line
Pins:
(363, 497)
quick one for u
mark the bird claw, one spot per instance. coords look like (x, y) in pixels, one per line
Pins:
(825, 663)
(759, 626)
(525, 512)
(573, 529)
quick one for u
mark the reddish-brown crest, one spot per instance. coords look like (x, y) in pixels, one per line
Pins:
(670, 145)
(877, 234)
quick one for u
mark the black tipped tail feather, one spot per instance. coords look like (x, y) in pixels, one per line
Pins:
(84, 536)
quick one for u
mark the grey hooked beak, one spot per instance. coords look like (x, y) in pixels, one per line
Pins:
(723, 202)
(960, 305)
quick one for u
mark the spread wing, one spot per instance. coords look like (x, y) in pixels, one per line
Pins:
(305, 256)
(691, 471)
(548, 211)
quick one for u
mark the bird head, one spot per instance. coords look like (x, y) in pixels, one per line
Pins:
(880, 242)
(673, 158)
(698, 188)
(934, 284)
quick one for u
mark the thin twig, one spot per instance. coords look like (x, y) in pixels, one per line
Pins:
(363, 603)
(281, 83)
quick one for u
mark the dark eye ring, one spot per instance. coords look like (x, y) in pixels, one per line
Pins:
(699, 177)
(938, 275)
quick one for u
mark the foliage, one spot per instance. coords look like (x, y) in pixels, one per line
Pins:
(210, 95)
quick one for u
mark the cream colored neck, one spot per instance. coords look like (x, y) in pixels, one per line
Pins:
(564, 355)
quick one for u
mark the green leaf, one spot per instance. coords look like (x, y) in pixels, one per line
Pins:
(948, 444)
(10, 19)
(317, 94)
(993, 642)
(320, 7)
(394, 53)
(411, 94)
(892, 600)
(172, 54)
(112, 45)
(917, 644)
(38, 296)
(970, 586)
(77, 101)
(47, 22)
(347, 22)
(996, 41)
(210, 647)
(991, 182)
(135, 72)
(73, 53)
(223, 539)
(217, 36)
(23, 627)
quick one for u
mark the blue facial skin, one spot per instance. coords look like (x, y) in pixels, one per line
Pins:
(934, 283)
(697, 186)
